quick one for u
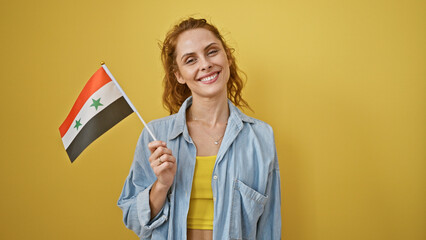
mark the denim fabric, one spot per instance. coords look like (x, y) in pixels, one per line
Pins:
(245, 181)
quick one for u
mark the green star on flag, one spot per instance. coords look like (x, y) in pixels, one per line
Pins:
(77, 124)
(96, 103)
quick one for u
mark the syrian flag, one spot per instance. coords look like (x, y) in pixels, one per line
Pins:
(100, 105)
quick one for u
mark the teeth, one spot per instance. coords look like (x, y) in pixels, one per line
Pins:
(208, 78)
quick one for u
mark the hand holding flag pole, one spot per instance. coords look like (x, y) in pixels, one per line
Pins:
(127, 99)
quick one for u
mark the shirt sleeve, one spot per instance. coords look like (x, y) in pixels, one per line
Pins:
(270, 222)
(134, 199)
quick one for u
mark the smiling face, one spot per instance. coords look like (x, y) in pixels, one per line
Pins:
(202, 63)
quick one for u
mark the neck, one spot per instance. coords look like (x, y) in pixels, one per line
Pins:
(209, 111)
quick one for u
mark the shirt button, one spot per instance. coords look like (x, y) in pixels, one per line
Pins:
(215, 177)
(214, 199)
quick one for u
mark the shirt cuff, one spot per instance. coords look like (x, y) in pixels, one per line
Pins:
(144, 212)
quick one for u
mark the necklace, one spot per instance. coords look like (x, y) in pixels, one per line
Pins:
(216, 142)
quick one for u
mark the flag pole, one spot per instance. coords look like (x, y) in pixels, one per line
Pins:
(127, 99)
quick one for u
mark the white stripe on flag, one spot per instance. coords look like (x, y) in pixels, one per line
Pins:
(107, 94)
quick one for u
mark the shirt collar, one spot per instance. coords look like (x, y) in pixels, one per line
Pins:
(235, 115)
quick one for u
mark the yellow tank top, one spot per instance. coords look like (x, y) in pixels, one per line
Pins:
(201, 209)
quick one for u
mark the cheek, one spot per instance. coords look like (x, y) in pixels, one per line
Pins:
(188, 73)
(227, 62)
(226, 73)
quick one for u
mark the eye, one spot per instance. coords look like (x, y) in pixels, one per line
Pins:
(189, 60)
(212, 52)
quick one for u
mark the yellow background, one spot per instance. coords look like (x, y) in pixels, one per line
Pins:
(343, 83)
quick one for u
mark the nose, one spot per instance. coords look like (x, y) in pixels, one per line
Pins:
(205, 64)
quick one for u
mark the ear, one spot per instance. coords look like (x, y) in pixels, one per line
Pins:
(179, 77)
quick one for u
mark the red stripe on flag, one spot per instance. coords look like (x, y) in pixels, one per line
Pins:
(99, 79)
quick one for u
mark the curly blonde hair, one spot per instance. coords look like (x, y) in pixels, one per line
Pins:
(175, 93)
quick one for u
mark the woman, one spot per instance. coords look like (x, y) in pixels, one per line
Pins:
(215, 173)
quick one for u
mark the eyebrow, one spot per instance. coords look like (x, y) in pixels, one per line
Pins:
(186, 54)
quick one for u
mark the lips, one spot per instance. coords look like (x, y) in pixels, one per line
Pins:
(210, 78)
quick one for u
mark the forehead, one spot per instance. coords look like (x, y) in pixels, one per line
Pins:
(195, 40)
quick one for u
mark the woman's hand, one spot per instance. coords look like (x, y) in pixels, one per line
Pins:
(163, 163)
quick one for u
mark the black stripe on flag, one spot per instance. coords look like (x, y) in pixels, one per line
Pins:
(98, 125)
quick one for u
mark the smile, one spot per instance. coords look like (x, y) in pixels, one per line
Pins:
(210, 78)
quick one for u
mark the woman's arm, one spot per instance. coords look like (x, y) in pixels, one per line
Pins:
(140, 184)
(163, 163)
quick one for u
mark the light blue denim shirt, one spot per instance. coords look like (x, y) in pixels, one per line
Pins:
(245, 181)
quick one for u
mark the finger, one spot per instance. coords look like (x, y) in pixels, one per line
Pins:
(162, 168)
(167, 158)
(162, 160)
(153, 158)
(158, 152)
(156, 162)
(152, 146)
(162, 150)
